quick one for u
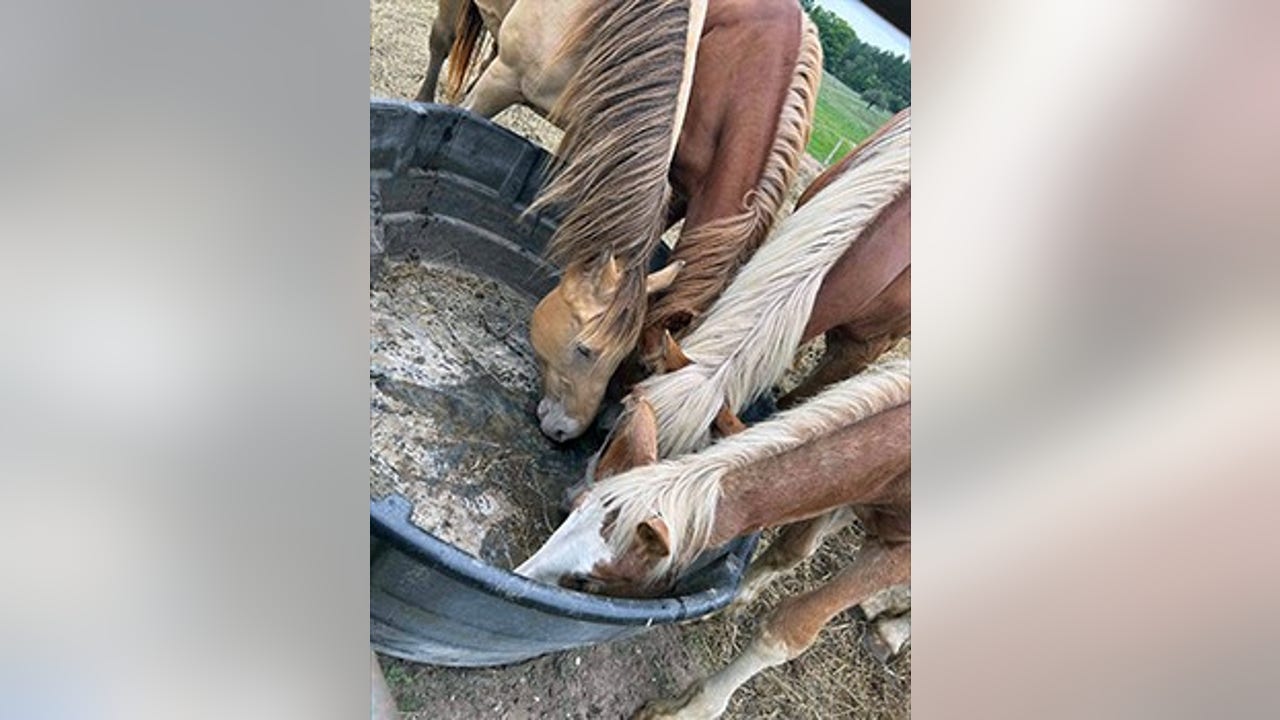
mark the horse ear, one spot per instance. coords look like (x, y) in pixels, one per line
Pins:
(662, 279)
(587, 292)
(610, 277)
(673, 357)
(654, 537)
(572, 282)
(633, 443)
(728, 423)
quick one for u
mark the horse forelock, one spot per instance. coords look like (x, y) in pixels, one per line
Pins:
(686, 491)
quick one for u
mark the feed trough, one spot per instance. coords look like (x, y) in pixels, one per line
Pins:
(447, 187)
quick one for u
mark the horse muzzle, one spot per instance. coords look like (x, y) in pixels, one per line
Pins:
(556, 423)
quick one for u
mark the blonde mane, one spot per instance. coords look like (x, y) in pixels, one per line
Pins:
(684, 492)
(618, 113)
(751, 333)
(713, 252)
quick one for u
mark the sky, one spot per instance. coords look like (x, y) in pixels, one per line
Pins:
(871, 28)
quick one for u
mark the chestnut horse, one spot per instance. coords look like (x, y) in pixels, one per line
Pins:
(839, 266)
(862, 258)
(651, 136)
(849, 446)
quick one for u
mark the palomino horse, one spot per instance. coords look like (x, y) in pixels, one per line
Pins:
(849, 446)
(650, 137)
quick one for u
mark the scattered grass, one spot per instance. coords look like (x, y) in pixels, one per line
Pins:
(841, 114)
(403, 684)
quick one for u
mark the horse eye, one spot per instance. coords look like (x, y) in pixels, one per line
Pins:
(584, 351)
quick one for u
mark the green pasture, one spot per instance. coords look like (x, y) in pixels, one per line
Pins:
(841, 113)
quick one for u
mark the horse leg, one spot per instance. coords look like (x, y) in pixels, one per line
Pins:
(443, 31)
(789, 631)
(796, 543)
(496, 90)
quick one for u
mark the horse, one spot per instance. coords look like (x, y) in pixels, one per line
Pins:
(633, 534)
(851, 238)
(840, 266)
(672, 109)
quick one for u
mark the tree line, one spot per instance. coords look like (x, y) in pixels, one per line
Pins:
(882, 78)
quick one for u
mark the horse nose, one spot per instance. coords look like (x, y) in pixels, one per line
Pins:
(557, 425)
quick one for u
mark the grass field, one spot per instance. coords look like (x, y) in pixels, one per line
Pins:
(841, 113)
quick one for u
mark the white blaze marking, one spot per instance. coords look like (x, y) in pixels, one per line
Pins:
(575, 547)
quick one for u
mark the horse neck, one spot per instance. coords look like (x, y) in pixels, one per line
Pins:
(617, 109)
(697, 19)
(854, 465)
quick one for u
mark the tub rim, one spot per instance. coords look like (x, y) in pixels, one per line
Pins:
(389, 518)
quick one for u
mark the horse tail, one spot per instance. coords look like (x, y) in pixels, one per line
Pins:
(467, 33)
(723, 245)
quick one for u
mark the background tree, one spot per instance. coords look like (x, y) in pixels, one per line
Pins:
(880, 77)
(835, 34)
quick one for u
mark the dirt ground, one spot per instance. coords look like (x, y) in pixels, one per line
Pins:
(836, 678)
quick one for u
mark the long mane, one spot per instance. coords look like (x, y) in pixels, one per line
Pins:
(713, 252)
(684, 492)
(751, 333)
(619, 113)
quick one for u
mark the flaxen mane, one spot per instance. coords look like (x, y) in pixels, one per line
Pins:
(618, 112)
(713, 252)
(752, 332)
(684, 491)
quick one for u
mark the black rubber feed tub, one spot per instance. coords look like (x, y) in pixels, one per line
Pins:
(448, 185)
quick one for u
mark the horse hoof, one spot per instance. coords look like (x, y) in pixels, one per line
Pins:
(888, 637)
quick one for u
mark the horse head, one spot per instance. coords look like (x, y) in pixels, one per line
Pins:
(631, 443)
(590, 552)
(579, 341)
(586, 553)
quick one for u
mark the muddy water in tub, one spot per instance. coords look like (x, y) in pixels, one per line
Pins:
(453, 387)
